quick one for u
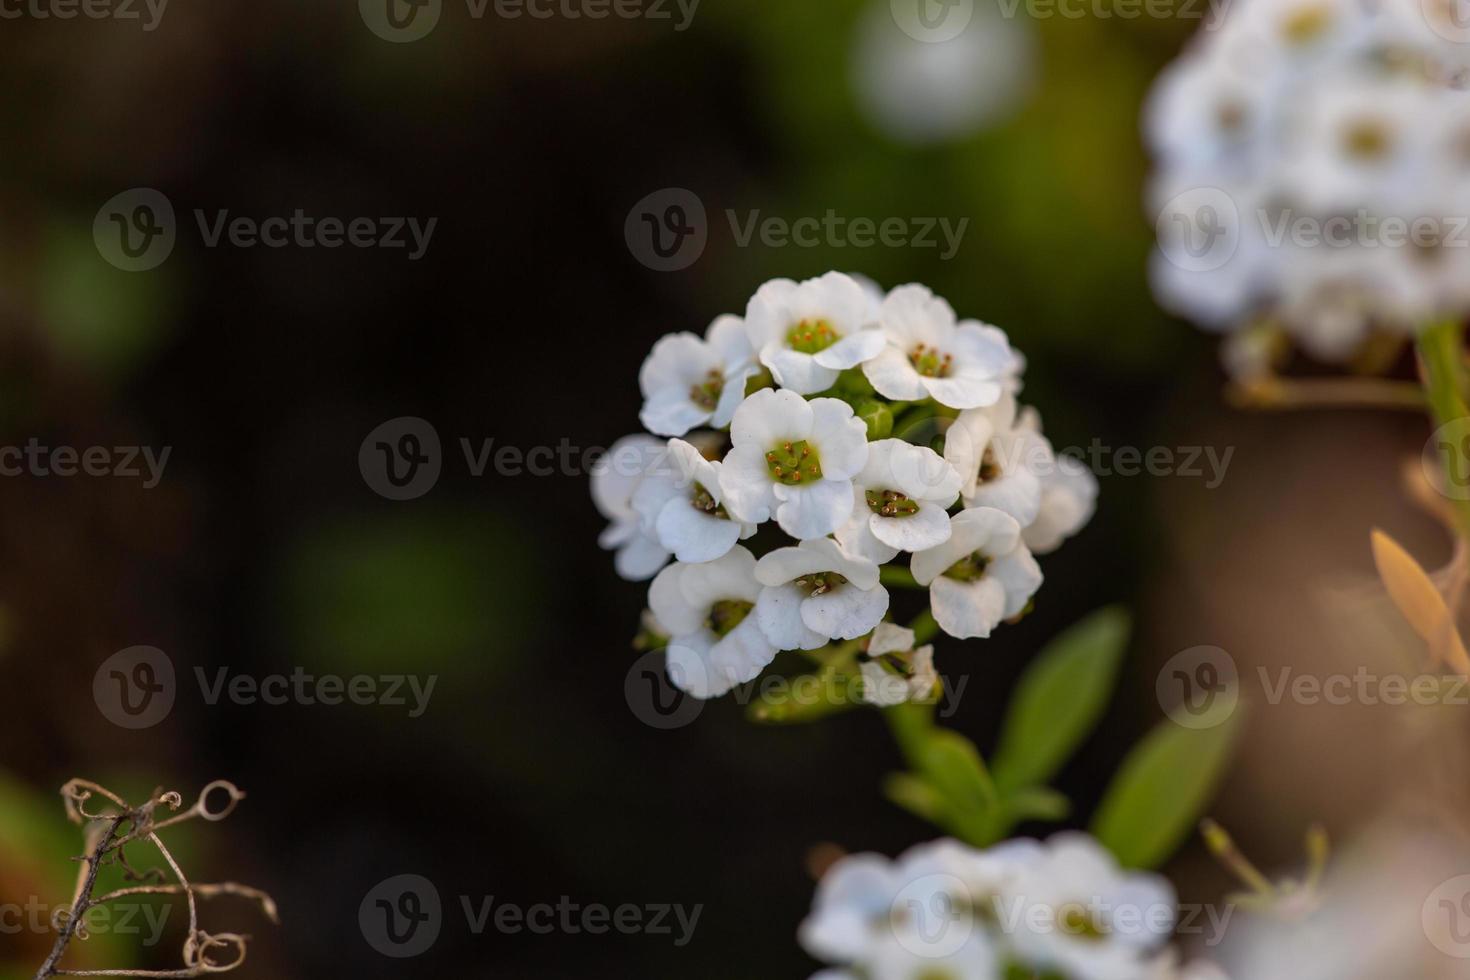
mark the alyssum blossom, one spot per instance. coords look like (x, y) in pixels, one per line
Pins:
(784, 417)
(1060, 908)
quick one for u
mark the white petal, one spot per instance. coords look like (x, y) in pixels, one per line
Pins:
(778, 612)
(928, 528)
(640, 558)
(766, 313)
(913, 315)
(853, 350)
(881, 687)
(731, 396)
(1019, 576)
(984, 348)
(922, 474)
(892, 376)
(730, 577)
(666, 600)
(770, 417)
(840, 437)
(890, 638)
(675, 362)
(616, 474)
(1018, 493)
(856, 537)
(964, 391)
(692, 535)
(687, 663)
(742, 653)
(788, 564)
(967, 609)
(813, 510)
(746, 487)
(727, 338)
(980, 529)
(846, 612)
(796, 371)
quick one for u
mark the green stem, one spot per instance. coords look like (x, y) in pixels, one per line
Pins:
(1440, 349)
(897, 577)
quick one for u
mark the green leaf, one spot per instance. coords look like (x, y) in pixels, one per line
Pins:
(1059, 700)
(953, 766)
(911, 793)
(1162, 789)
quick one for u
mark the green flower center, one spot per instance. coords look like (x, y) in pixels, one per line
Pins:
(890, 503)
(1076, 921)
(811, 336)
(820, 582)
(704, 501)
(727, 614)
(706, 394)
(970, 568)
(792, 463)
(930, 361)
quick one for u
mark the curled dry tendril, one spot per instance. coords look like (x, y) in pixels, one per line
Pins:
(110, 825)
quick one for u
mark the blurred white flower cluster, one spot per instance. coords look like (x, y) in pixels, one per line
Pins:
(1313, 171)
(1059, 910)
(787, 418)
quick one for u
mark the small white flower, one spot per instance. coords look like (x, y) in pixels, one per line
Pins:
(1068, 496)
(930, 355)
(900, 500)
(714, 642)
(980, 576)
(688, 381)
(795, 459)
(816, 592)
(999, 461)
(615, 479)
(885, 689)
(1076, 912)
(807, 333)
(680, 499)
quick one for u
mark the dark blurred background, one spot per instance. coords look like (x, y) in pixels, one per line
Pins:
(263, 369)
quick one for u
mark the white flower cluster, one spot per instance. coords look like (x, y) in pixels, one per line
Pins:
(1313, 169)
(1059, 910)
(773, 396)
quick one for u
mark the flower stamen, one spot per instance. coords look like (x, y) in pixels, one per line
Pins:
(931, 362)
